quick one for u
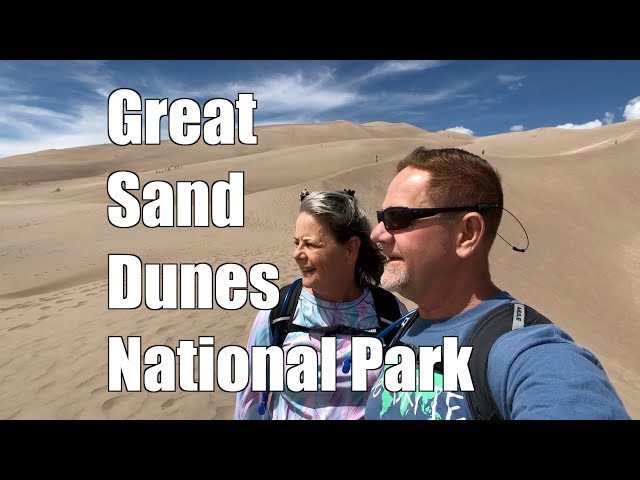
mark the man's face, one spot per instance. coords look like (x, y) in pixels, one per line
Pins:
(424, 252)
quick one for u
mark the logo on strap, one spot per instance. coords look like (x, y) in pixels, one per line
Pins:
(518, 316)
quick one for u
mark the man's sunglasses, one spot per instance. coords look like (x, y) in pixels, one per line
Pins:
(398, 218)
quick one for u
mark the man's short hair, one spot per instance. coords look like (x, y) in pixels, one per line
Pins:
(460, 178)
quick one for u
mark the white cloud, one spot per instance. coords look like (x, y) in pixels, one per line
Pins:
(517, 128)
(572, 126)
(510, 78)
(513, 82)
(34, 119)
(464, 130)
(92, 75)
(632, 110)
(311, 93)
(8, 86)
(85, 126)
(40, 113)
(297, 98)
(401, 100)
(608, 118)
(393, 67)
(305, 96)
(30, 122)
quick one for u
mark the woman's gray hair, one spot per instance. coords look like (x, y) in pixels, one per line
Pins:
(344, 216)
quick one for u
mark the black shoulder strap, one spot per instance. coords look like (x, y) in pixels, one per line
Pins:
(486, 331)
(388, 311)
(280, 318)
(386, 305)
(282, 314)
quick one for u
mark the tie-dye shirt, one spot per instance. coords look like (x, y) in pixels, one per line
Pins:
(341, 404)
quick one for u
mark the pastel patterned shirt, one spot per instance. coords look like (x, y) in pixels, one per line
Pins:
(341, 404)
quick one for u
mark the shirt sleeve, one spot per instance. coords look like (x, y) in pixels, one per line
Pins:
(538, 372)
(247, 401)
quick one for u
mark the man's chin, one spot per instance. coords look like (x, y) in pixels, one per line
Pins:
(391, 283)
(393, 278)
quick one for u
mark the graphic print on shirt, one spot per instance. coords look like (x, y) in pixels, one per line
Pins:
(423, 405)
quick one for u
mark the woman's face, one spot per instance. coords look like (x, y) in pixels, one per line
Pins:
(325, 264)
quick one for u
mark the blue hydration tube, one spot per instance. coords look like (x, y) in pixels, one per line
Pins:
(263, 404)
(346, 367)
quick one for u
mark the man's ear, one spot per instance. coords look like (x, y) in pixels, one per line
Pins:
(353, 247)
(471, 232)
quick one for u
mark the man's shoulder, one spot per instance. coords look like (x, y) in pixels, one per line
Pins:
(539, 370)
(527, 337)
(535, 339)
(540, 344)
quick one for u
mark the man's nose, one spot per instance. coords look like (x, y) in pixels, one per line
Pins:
(379, 234)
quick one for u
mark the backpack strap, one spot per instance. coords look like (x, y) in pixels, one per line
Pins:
(388, 310)
(386, 306)
(280, 321)
(280, 318)
(394, 337)
(482, 337)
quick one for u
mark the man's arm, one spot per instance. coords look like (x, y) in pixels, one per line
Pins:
(538, 372)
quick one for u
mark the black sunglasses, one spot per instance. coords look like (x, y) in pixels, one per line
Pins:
(398, 218)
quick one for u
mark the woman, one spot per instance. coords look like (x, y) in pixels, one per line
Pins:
(338, 265)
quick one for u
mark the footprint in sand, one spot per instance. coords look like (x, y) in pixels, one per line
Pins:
(91, 379)
(46, 372)
(165, 328)
(22, 326)
(143, 320)
(108, 405)
(98, 390)
(45, 387)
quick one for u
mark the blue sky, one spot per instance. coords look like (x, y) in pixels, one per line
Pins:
(62, 104)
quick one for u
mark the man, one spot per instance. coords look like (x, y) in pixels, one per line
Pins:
(440, 261)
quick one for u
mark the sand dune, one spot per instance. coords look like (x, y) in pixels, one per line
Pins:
(575, 191)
